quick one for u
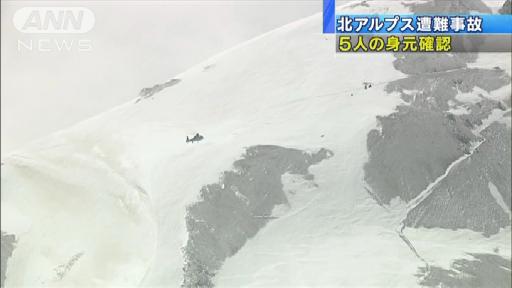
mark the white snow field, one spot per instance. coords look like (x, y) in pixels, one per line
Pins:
(105, 201)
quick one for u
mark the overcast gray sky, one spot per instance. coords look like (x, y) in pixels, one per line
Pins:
(135, 44)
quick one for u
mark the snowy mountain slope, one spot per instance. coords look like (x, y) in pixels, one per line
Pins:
(506, 8)
(122, 200)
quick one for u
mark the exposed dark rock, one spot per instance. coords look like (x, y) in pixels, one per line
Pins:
(506, 8)
(150, 91)
(415, 145)
(463, 199)
(8, 244)
(485, 271)
(233, 210)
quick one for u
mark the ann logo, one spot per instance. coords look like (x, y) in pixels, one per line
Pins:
(54, 20)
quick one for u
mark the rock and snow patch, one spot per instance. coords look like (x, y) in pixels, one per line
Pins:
(499, 199)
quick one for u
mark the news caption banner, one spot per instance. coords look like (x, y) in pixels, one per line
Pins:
(425, 33)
